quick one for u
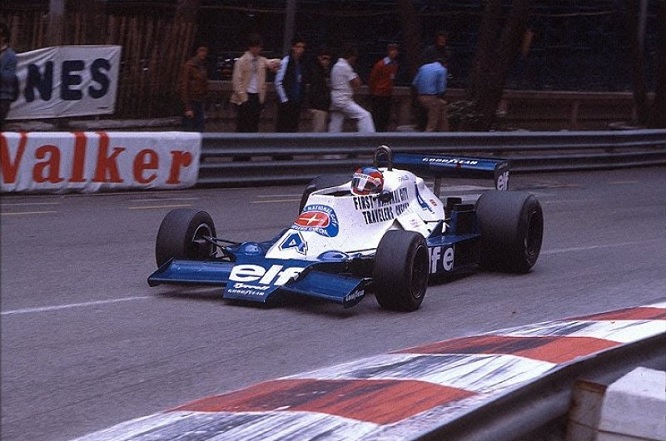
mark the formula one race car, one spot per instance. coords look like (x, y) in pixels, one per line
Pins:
(381, 230)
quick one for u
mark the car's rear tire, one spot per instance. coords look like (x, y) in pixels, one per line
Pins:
(511, 230)
(181, 236)
(400, 275)
(320, 182)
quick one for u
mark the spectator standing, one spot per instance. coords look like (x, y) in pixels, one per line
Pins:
(344, 82)
(438, 51)
(430, 85)
(381, 82)
(9, 81)
(319, 91)
(290, 88)
(193, 90)
(249, 84)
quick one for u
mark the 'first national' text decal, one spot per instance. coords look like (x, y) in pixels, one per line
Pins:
(93, 161)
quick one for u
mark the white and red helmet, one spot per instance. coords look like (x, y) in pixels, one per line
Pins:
(367, 180)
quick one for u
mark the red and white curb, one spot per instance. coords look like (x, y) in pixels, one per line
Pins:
(397, 395)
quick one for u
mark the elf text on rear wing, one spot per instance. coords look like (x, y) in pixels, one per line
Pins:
(443, 166)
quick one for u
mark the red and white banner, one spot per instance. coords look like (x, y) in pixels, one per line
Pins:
(61, 81)
(93, 161)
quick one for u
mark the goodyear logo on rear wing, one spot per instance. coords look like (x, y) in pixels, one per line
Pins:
(451, 161)
(318, 218)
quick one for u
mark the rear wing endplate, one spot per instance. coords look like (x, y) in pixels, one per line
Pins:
(444, 166)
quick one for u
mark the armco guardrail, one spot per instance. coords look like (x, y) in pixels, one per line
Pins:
(248, 159)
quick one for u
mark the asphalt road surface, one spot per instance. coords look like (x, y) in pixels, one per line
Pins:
(87, 344)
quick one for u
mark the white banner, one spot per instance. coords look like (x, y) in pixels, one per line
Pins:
(66, 81)
(92, 161)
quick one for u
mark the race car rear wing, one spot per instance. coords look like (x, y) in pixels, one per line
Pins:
(443, 166)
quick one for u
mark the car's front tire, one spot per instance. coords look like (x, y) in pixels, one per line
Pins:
(400, 275)
(181, 236)
(511, 230)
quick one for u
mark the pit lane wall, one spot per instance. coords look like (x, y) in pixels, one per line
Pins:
(499, 385)
(60, 162)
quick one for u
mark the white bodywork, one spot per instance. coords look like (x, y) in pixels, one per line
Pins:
(355, 224)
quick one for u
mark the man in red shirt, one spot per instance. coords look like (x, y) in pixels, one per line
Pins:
(381, 87)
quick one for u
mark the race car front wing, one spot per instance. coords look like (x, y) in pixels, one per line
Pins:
(257, 279)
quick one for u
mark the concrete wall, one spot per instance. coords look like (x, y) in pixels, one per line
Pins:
(529, 110)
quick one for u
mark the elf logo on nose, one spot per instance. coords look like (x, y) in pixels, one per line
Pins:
(274, 275)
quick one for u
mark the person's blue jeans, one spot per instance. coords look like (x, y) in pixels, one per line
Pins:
(196, 123)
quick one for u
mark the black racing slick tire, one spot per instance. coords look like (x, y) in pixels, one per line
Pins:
(400, 275)
(181, 236)
(320, 182)
(511, 225)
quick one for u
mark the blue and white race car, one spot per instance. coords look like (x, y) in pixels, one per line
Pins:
(381, 230)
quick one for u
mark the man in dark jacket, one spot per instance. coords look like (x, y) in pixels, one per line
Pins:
(290, 88)
(319, 91)
(193, 90)
(439, 51)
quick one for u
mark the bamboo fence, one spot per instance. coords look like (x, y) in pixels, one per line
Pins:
(154, 49)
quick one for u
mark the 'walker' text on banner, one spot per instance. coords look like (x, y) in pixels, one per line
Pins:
(93, 161)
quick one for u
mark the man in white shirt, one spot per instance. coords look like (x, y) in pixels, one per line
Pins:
(344, 82)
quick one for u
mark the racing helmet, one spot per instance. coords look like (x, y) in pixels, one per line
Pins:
(367, 180)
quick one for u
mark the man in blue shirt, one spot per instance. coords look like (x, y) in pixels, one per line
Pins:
(430, 85)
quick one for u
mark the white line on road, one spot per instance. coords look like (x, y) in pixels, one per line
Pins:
(20, 204)
(274, 201)
(164, 199)
(27, 212)
(72, 305)
(594, 247)
(155, 207)
(266, 196)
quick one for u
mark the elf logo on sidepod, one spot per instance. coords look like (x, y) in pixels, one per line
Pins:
(441, 257)
(318, 218)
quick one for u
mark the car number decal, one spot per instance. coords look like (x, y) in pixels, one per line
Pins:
(295, 240)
